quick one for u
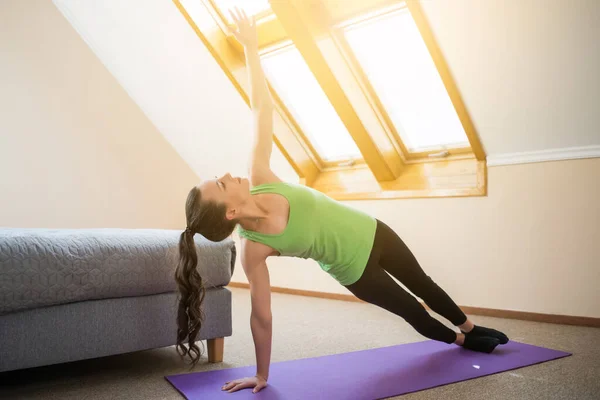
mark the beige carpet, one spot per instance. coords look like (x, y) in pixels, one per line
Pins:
(310, 327)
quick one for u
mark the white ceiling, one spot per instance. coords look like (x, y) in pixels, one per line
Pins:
(527, 71)
(157, 58)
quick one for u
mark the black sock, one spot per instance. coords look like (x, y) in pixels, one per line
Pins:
(483, 331)
(483, 344)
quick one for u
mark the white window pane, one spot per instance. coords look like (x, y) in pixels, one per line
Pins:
(251, 7)
(299, 90)
(396, 61)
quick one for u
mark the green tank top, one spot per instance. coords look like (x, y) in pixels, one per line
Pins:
(338, 237)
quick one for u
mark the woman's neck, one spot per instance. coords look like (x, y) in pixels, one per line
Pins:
(252, 214)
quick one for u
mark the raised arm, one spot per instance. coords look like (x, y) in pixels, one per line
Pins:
(260, 101)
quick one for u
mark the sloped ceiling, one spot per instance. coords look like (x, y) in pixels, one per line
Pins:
(527, 71)
(157, 58)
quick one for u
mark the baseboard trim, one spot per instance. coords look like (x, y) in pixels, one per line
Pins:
(567, 153)
(307, 293)
(488, 312)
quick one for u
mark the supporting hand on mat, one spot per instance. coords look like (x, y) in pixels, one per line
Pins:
(246, 28)
(256, 382)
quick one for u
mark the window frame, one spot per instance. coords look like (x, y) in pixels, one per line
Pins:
(352, 179)
(273, 37)
(340, 162)
(339, 32)
(221, 13)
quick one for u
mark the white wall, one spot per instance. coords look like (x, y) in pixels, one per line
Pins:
(527, 71)
(75, 150)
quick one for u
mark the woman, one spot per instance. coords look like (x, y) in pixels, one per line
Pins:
(281, 219)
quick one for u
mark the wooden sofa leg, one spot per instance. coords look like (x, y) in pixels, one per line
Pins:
(215, 350)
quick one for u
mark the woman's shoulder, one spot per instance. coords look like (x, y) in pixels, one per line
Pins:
(262, 176)
(253, 252)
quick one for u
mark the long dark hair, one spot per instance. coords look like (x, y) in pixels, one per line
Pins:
(208, 219)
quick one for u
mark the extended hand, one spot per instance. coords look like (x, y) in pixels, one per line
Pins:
(246, 28)
(255, 382)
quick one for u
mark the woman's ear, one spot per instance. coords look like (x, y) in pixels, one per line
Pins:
(230, 214)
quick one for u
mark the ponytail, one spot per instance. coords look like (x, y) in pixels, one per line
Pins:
(208, 219)
(189, 314)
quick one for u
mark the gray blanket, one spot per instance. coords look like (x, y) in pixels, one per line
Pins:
(43, 267)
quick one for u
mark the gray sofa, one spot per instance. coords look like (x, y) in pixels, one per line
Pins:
(73, 294)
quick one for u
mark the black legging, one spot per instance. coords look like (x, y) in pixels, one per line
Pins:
(375, 286)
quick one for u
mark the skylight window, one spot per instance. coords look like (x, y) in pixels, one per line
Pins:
(395, 59)
(295, 84)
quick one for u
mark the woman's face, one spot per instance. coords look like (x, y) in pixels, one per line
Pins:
(233, 192)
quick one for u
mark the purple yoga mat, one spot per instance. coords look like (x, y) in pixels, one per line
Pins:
(367, 374)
